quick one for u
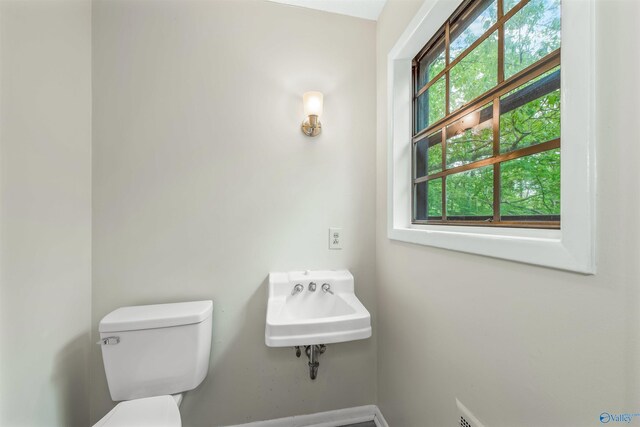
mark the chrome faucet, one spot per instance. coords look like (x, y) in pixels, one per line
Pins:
(327, 288)
(297, 289)
(312, 287)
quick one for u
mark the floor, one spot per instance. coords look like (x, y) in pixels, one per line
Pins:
(365, 424)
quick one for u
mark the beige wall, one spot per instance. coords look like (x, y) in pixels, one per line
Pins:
(45, 212)
(203, 184)
(519, 345)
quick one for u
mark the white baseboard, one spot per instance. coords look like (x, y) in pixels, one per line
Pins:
(339, 417)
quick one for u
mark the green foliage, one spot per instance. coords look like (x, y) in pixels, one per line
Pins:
(463, 37)
(434, 159)
(431, 106)
(433, 63)
(535, 122)
(470, 142)
(475, 74)
(470, 193)
(435, 193)
(531, 185)
(508, 4)
(532, 33)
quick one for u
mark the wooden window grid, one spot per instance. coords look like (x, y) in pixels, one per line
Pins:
(504, 86)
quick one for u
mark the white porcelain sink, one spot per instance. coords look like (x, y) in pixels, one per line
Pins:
(314, 317)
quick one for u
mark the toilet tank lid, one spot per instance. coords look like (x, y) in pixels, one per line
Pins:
(156, 316)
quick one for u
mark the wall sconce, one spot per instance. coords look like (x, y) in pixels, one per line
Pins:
(313, 110)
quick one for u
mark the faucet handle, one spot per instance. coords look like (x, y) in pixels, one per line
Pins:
(297, 289)
(327, 288)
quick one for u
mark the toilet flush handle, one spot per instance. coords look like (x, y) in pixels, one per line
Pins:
(109, 341)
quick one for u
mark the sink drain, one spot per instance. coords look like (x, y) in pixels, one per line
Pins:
(313, 352)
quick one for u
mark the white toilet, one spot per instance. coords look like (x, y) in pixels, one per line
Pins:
(152, 354)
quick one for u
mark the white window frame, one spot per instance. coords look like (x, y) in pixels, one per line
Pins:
(570, 248)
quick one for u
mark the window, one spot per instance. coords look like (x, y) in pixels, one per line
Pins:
(539, 241)
(486, 117)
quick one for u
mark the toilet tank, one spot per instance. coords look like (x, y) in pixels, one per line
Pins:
(152, 350)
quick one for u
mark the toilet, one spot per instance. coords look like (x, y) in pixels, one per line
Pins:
(152, 354)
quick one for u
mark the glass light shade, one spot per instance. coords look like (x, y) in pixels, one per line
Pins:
(312, 103)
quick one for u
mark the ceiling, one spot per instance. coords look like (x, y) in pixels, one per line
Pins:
(367, 9)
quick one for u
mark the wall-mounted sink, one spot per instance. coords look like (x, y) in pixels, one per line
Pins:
(300, 316)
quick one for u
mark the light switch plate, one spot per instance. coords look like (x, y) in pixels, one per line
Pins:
(335, 238)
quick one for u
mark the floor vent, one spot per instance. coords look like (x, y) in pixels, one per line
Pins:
(464, 423)
(466, 418)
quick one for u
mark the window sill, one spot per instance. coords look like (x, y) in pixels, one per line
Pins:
(531, 246)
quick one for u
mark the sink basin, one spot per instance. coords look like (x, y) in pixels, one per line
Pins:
(318, 317)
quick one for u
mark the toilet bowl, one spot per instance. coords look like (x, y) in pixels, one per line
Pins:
(158, 411)
(152, 354)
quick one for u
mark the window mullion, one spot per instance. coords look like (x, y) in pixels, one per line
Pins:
(496, 166)
(447, 42)
(500, 42)
(444, 167)
(496, 115)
